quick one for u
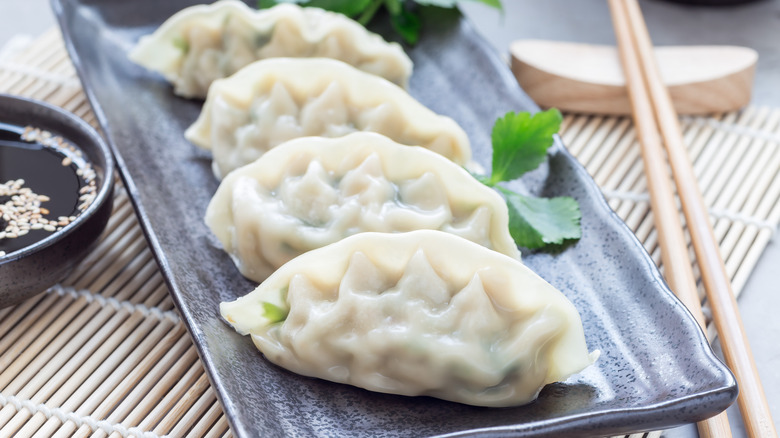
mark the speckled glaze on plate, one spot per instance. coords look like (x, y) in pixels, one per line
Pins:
(656, 369)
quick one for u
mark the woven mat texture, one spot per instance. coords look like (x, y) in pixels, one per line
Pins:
(105, 354)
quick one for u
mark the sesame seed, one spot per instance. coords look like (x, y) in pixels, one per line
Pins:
(22, 211)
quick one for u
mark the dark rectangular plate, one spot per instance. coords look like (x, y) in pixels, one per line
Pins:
(656, 369)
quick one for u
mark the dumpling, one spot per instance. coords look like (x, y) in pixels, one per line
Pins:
(203, 43)
(419, 313)
(275, 100)
(313, 191)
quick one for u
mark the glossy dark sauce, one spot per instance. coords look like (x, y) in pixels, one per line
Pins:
(41, 167)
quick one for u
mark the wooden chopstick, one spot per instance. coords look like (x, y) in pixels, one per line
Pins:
(649, 91)
(674, 251)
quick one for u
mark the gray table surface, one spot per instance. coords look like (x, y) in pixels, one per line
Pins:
(755, 25)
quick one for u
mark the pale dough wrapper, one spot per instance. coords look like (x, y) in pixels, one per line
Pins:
(203, 43)
(271, 101)
(418, 313)
(313, 191)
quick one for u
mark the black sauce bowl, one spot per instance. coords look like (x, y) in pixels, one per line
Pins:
(40, 265)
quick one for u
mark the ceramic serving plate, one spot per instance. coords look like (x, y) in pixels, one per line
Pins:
(656, 369)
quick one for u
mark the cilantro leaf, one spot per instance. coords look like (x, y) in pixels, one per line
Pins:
(492, 3)
(407, 25)
(452, 3)
(369, 11)
(403, 20)
(520, 142)
(438, 3)
(274, 313)
(393, 6)
(263, 4)
(349, 8)
(537, 222)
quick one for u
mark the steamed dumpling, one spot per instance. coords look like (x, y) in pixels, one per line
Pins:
(207, 42)
(313, 191)
(275, 100)
(419, 313)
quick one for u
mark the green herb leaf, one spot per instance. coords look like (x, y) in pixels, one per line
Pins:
(407, 25)
(538, 222)
(439, 3)
(492, 3)
(368, 13)
(349, 8)
(520, 142)
(274, 313)
(405, 22)
(346, 7)
(393, 6)
(263, 4)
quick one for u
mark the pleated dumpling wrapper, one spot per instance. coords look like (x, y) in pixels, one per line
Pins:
(275, 100)
(203, 43)
(418, 313)
(313, 191)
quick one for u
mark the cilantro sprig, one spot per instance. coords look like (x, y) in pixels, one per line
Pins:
(403, 15)
(520, 143)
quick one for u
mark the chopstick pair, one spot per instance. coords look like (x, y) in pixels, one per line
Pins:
(655, 120)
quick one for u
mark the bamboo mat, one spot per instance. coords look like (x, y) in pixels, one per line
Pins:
(105, 354)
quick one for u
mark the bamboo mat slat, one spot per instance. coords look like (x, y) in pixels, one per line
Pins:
(105, 354)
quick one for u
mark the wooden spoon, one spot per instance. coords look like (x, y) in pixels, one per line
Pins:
(588, 78)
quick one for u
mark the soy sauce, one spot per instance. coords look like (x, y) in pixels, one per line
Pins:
(54, 170)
